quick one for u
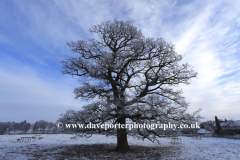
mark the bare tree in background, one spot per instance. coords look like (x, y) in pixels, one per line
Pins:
(36, 127)
(25, 126)
(134, 77)
(42, 125)
(51, 125)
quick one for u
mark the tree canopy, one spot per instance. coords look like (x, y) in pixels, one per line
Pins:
(134, 78)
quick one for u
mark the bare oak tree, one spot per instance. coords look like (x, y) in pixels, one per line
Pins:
(134, 77)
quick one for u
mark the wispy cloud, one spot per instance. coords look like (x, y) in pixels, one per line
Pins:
(33, 36)
(31, 94)
(210, 45)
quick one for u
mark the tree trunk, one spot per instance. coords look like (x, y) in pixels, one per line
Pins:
(219, 128)
(122, 143)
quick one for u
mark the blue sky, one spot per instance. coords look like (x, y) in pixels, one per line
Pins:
(33, 36)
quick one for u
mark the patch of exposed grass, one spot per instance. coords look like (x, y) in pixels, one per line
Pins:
(107, 151)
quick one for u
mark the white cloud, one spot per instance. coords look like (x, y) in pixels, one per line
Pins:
(209, 46)
(206, 33)
(26, 94)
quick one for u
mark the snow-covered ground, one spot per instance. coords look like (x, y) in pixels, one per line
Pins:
(52, 145)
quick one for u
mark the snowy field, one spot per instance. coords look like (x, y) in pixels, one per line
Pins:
(61, 146)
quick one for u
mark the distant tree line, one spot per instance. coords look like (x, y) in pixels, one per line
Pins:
(7, 127)
(41, 126)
